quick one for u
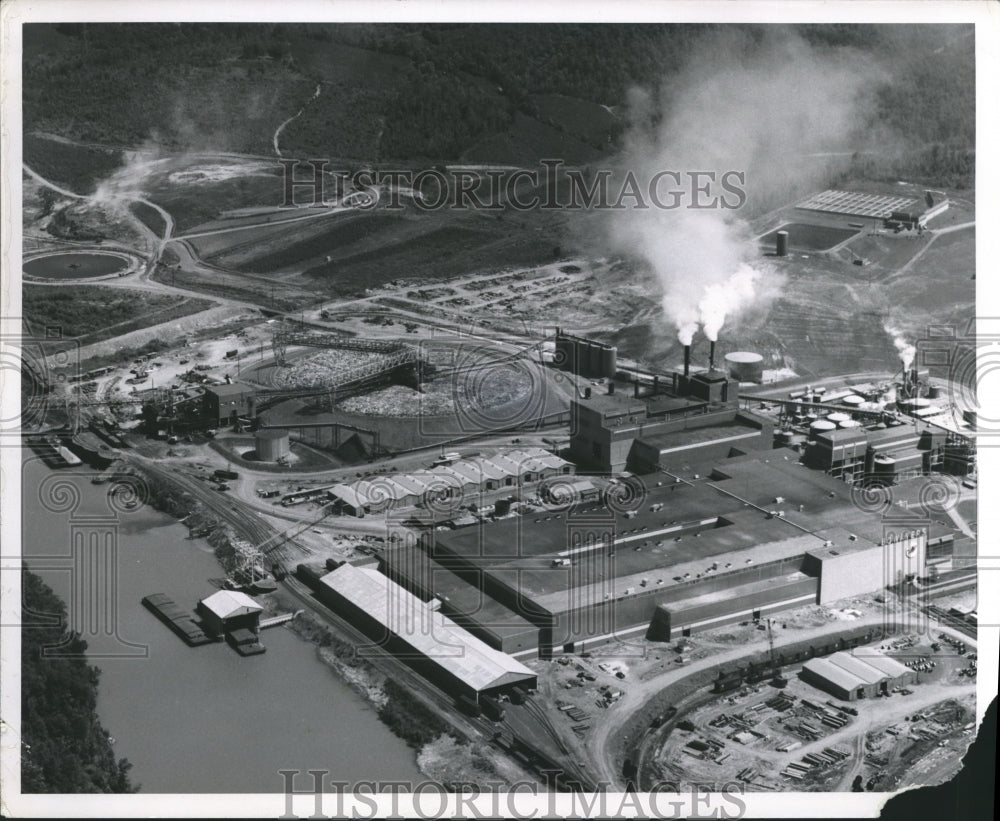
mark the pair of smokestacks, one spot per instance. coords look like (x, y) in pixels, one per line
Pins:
(687, 358)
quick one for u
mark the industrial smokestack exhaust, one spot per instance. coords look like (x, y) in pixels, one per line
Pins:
(711, 355)
(687, 360)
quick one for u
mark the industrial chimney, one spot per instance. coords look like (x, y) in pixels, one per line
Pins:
(781, 247)
(711, 355)
(687, 360)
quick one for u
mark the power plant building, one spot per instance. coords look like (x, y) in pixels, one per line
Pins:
(664, 423)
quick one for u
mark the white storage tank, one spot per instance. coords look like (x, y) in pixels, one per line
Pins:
(822, 426)
(272, 444)
(745, 366)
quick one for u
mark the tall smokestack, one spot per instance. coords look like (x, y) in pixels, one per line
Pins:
(711, 355)
(687, 360)
(781, 244)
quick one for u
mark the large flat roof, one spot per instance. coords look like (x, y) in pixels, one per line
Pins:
(234, 389)
(697, 437)
(456, 594)
(436, 637)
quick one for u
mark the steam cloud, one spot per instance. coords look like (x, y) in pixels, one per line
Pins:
(906, 351)
(766, 104)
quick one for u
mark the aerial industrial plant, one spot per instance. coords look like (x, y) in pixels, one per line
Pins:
(685, 496)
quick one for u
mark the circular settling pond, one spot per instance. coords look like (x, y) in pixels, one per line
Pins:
(75, 266)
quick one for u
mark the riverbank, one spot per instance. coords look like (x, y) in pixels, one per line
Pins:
(442, 754)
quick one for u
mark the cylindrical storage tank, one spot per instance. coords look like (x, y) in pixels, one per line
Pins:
(594, 360)
(916, 403)
(837, 417)
(745, 366)
(934, 392)
(853, 400)
(565, 354)
(609, 361)
(781, 244)
(782, 438)
(849, 423)
(272, 444)
(821, 426)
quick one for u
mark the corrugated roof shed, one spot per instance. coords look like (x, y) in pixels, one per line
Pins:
(429, 632)
(228, 603)
(888, 666)
(834, 674)
(866, 672)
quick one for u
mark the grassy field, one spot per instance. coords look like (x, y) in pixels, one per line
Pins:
(193, 205)
(444, 251)
(92, 313)
(150, 217)
(76, 167)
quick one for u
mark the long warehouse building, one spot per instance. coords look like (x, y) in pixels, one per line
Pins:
(416, 632)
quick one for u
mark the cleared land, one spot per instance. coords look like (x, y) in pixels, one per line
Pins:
(92, 313)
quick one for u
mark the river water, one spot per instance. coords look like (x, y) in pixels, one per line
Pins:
(195, 719)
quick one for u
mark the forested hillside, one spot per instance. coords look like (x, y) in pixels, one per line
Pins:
(407, 93)
(65, 749)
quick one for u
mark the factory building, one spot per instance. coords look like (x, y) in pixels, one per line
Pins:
(419, 634)
(917, 216)
(224, 404)
(224, 612)
(885, 456)
(464, 478)
(758, 534)
(666, 423)
(852, 676)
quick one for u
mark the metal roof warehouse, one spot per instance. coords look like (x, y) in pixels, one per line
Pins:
(425, 638)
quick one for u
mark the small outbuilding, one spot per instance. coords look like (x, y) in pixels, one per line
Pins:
(229, 610)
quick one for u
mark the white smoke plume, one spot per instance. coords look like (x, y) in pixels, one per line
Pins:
(906, 351)
(725, 299)
(768, 105)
